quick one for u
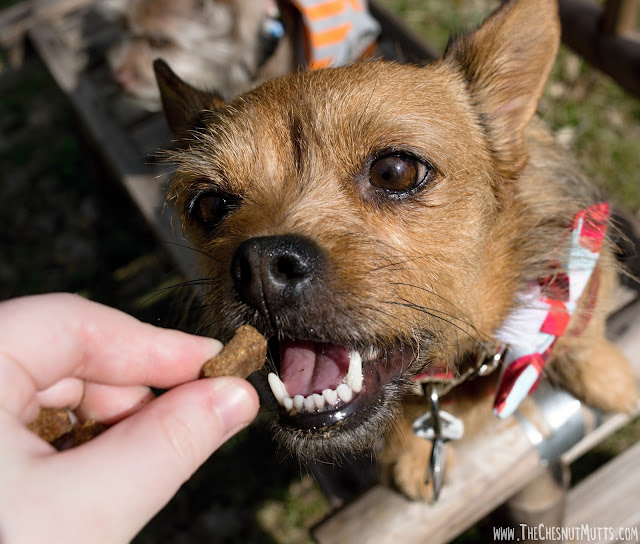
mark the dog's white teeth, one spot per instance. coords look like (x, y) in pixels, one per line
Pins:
(352, 385)
(345, 393)
(312, 403)
(277, 388)
(298, 402)
(309, 404)
(331, 396)
(354, 376)
(318, 401)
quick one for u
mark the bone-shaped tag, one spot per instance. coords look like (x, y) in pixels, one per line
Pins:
(451, 427)
(439, 427)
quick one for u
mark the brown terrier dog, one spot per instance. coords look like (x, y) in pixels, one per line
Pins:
(379, 222)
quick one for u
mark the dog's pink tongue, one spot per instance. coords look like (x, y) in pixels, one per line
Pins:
(311, 367)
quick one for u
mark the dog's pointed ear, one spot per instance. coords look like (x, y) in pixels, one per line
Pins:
(506, 63)
(184, 106)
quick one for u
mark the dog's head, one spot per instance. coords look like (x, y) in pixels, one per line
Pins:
(364, 218)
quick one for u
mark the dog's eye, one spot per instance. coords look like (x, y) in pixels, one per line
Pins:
(210, 208)
(398, 173)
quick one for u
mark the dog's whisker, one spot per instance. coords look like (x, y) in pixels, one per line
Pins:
(430, 313)
(462, 320)
(395, 265)
(162, 290)
(191, 248)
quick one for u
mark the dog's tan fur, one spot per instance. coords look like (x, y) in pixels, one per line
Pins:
(436, 271)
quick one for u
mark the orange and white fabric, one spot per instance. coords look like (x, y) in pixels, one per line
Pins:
(545, 310)
(336, 32)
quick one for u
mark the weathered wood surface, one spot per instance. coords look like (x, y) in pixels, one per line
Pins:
(616, 55)
(402, 43)
(16, 20)
(609, 498)
(126, 136)
(620, 17)
(471, 491)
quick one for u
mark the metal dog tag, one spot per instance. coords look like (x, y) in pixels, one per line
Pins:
(439, 427)
(451, 427)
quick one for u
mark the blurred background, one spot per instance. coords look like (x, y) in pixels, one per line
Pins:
(69, 227)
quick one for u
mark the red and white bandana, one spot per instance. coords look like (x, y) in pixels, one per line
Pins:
(545, 310)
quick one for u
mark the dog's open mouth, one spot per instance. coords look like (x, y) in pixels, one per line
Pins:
(322, 384)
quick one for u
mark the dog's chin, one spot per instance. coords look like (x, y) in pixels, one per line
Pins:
(334, 400)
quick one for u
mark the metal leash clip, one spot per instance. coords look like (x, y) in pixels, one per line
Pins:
(439, 427)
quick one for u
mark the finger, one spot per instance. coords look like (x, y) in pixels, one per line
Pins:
(136, 466)
(66, 393)
(68, 335)
(105, 403)
(110, 403)
(17, 390)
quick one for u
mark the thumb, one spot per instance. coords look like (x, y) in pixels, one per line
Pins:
(136, 466)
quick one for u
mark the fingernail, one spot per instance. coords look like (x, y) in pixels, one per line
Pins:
(214, 347)
(235, 403)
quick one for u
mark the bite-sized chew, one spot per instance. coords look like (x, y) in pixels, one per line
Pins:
(242, 355)
(51, 424)
(57, 427)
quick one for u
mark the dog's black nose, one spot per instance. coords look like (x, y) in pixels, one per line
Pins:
(272, 272)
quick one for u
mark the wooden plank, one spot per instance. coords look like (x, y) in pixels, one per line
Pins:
(610, 498)
(628, 340)
(143, 181)
(619, 17)
(16, 20)
(63, 62)
(489, 469)
(617, 56)
(406, 45)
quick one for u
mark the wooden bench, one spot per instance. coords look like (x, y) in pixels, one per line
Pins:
(606, 36)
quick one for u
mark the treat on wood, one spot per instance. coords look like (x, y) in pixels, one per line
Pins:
(244, 354)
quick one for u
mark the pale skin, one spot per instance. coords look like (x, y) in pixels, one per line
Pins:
(63, 351)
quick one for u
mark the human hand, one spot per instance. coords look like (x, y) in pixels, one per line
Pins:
(62, 351)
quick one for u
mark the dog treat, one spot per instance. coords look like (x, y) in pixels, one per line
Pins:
(242, 355)
(57, 427)
(51, 424)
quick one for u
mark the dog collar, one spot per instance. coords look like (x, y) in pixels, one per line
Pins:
(336, 32)
(444, 378)
(542, 315)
